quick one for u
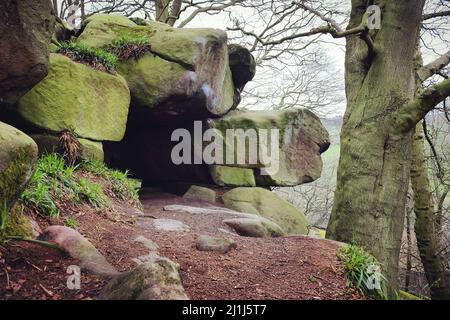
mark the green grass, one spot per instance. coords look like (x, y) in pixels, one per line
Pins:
(123, 186)
(55, 182)
(71, 223)
(126, 40)
(83, 53)
(357, 264)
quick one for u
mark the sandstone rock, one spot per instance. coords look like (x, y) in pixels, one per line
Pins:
(269, 205)
(19, 224)
(92, 104)
(232, 177)
(187, 75)
(80, 248)
(18, 155)
(302, 138)
(242, 65)
(200, 193)
(26, 28)
(88, 149)
(255, 227)
(208, 243)
(155, 280)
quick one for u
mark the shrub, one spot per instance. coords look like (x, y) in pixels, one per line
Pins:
(128, 47)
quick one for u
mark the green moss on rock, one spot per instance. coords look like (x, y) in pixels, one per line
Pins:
(18, 155)
(17, 224)
(232, 176)
(183, 63)
(75, 97)
(88, 149)
(268, 205)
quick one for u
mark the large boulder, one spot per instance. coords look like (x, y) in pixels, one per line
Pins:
(186, 75)
(26, 28)
(200, 194)
(74, 97)
(292, 159)
(242, 65)
(267, 204)
(18, 155)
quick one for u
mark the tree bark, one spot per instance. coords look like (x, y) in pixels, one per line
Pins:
(162, 10)
(374, 165)
(425, 227)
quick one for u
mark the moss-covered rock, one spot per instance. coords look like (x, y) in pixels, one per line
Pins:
(186, 74)
(17, 224)
(301, 140)
(75, 97)
(200, 193)
(269, 205)
(257, 227)
(154, 280)
(89, 149)
(26, 28)
(18, 155)
(232, 176)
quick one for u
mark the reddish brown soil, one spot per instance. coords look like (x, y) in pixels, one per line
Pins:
(28, 271)
(278, 268)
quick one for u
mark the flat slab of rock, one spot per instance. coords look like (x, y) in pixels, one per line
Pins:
(80, 248)
(170, 225)
(154, 280)
(208, 243)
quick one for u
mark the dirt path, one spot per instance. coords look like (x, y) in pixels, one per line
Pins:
(277, 268)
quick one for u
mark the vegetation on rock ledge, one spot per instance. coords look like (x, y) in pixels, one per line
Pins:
(56, 184)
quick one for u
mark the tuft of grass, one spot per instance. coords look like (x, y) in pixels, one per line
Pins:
(127, 47)
(71, 222)
(123, 186)
(357, 264)
(56, 183)
(97, 58)
(92, 193)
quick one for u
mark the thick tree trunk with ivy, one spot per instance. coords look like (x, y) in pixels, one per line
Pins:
(374, 166)
(425, 227)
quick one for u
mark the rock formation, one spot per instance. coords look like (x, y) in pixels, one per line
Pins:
(26, 27)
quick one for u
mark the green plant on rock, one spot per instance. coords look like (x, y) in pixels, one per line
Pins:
(96, 58)
(360, 270)
(127, 47)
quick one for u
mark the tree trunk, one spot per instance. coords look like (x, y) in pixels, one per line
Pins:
(374, 165)
(426, 234)
(162, 10)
